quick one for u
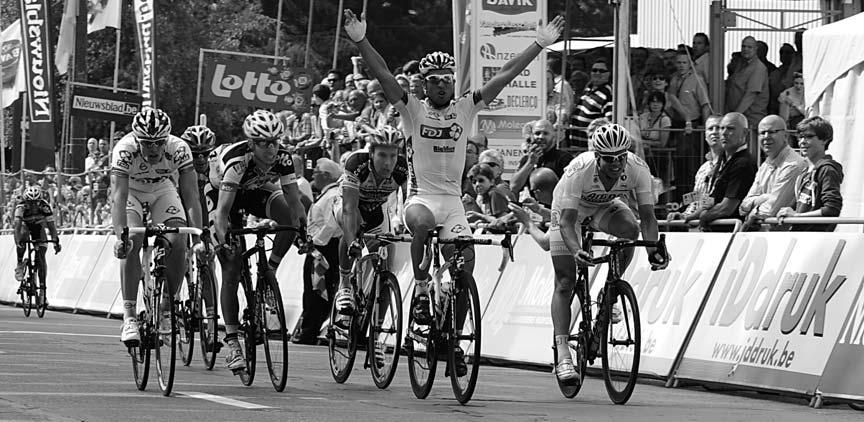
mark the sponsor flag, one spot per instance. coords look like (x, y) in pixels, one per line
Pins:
(10, 60)
(145, 27)
(35, 19)
(256, 84)
(103, 14)
(66, 40)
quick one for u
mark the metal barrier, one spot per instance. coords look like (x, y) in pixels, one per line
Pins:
(695, 223)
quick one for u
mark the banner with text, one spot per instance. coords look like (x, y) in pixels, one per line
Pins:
(842, 376)
(10, 60)
(145, 27)
(105, 105)
(776, 310)
(35, 21)
(256, 84)
(500, 31)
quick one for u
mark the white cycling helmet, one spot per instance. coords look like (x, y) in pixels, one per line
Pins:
(263, 124)
(386, 136)
(33, 193)
(611, 139)
(199, 138)
(151, 123)
(437, 61)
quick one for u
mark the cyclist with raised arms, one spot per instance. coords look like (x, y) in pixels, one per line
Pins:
(437, 129)
(32, 215)
(254, 176)
(143, 164)
(366, 183)
(593, 186)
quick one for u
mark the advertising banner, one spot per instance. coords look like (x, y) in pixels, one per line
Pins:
(10, 60)
(145, 28)
(776, 309)
(256, 84)
(105, 105)
(669, 300)
(35, 21)
(843, 374)
(500, 31)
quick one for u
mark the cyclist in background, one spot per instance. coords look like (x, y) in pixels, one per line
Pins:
(254, 176)
(32, 215)
(142, 166)
(592, 187)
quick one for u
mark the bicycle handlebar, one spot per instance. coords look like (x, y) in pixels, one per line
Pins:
(619, 244)
(263, 230)
(159, 229)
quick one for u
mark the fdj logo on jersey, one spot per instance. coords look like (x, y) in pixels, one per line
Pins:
(454, 132)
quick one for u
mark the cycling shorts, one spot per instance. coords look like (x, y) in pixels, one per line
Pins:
(448, 211)
(257, 202)
(36, 231)
(601, 219)
(165, 205)
(376, 221)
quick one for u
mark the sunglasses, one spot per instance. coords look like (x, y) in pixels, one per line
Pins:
(153, 143)
(613, 158)
(436, 79)
(265, 143)
(597, 70)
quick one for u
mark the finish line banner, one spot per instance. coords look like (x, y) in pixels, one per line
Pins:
(146, 29)
(256, 84)
(97, 104)
(38, 66)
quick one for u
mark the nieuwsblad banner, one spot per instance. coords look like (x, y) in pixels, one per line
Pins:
(146, 30)
(776, 310)
(104, 105)
(500, 31)
(256, 84)
(35, 20)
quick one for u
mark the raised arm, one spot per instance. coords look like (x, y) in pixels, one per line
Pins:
(356, 30)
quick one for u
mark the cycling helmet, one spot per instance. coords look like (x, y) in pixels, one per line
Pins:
(151, 123)
(199, 138)
(386, 136)
(262, 124)
(437, 61)
(610, 139)
(33, 193)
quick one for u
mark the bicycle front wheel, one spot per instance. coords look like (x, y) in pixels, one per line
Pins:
(341, 344)
(165, 323)
(422, 353)
(275, 333)
(186, 319)
(207, 324)
(464, 344)
(248, 334)
(26, 292)
(141, 353)
(37, 284)
(621, 342)
(385, 330)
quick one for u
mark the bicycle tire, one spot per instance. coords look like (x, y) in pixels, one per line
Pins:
(275, 333)
(165, 340)
(26, 286)
(186, 321)
(464, 385)
(341, 346)
(208, 332)
(140, 354)
(620, 371)
(578, 340)
(248, 333)
(385, 334)
(422, 353)
(41, 303)
(857, 406)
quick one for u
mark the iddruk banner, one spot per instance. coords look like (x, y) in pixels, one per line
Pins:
(776, 310)
(844, 375)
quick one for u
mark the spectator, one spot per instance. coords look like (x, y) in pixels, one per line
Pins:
(780, 79)
(703, 183)
(471, 155)
(747, 87)
(490, 200)
(349, 83)
(411, 68)
(654, 118)
(542, 184)
(559, 99)
(656, 81)
(415, 86)
(92, 154)
(376, 114)
(762, 53)
(669, 61)
(104, 148)
(735, 175)
(817, 190)
(702, 57)
(494, 159)
(689, 94)
(542, 152)
(335, 80)
(303, 184)
(638, 57)
(480, 140)
(404, 82)
(774, 185)
(791, 103)
(595, 102)
(321, 269)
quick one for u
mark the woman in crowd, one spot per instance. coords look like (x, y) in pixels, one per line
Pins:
(791, 101)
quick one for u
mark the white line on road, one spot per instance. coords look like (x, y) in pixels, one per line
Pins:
(224, 400)
(59, 334)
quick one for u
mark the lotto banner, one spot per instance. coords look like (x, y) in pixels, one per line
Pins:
(500, 31)
(145, 27)
(256, 84)
(777, 307)
(38, 69)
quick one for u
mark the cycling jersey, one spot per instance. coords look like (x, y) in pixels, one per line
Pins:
(34, 212)
(127, 161)
(359, 175)
(436, 142)
(235, 169)
(581, 187)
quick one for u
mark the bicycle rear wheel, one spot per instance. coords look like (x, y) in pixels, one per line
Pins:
(165, 330)
(621, 342)
(275, 335)
(187, 314)
(385, 330)
(464, 344)
(207, 323)
(27, 290)
(36, 283)
(248, 333)
(422, 353)
(341, 344)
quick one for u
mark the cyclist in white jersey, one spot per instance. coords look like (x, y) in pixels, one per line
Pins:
(595, 185)
(143, 164)
(436, 130)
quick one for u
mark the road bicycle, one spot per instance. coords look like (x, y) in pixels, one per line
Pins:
(616, 341)
(378, 317)
(31, 288)
(194, 317)
(457, 333)
(263, 319)
(157, 321)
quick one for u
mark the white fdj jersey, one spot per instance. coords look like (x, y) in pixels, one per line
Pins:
(436, 142)
(127, 160)
(580, 187)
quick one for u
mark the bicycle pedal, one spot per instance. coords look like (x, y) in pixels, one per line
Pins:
(238, 371)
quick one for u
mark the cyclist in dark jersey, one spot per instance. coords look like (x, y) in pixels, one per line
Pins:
(32, 215)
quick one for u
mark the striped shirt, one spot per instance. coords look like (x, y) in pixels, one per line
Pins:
(596, 102)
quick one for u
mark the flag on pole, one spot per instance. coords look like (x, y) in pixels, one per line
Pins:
(103, 14)
(13, 66)
(66, 39)
(146, 29)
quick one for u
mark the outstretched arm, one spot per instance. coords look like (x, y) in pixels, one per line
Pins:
(546, 35)
(356, 30)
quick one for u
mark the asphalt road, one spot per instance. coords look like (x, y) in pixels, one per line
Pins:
(73, 368)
